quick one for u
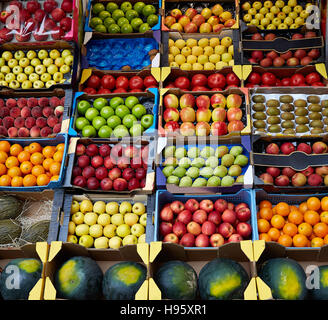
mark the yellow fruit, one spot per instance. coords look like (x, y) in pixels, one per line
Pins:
(231, 50)
(231, 63)
(304, 14)
(298, 9)
(293, 15)
(72, 238)
(90, 218)
(203, 42)
(289, 21)
(174, 50)
(191, 59)
(274, 10)
(197, 66)
(202, 59)
(109, 230)
(180, 43)
(208, 50)
(252, 11)
(191, 43)
(259, 16)
(171, 43)
(71, 227)
(268, 4)
(220, 49)
(264, 11)
(214, 42)
(226, 57)
(171, 57)
(214, 58)
(221, 64)
(209, 66)
(186, 66)
(271, 27)
(226, 41)
(286, 9)
(174, 65)
(82, 229)
(197, 51)
(282, 26)
(180, 59)
(78, 217)
(86, 206)
(270, 16)
(186, 51)
(101, 243)
(299, 21)
(103, 219)
(96, 230)
(265, 21)
(247, 17)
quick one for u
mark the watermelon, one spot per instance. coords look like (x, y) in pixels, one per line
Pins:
(177, 280)
(123, 280)
(19, 277)
(79, 278)
(285, 277)
(222, 279)
(320, 289)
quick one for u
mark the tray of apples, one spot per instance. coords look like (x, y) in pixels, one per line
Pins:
(204, 220)
(122, 166)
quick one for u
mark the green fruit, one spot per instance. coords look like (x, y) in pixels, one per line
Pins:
(99, 103)
(180, 152)
(220, 171)
(139, 110)
(206, 172)
(200, 182)
(136, 23)
(179, 172)
(321, 293)
(113, 121)
(227, 160)
(98, 122)
(169, 151)
(241, 160)
(184, 162)
(9, 230)
(111, 7)
(107, 112)
(177, 280)
(240, 179)
(170, 161)
(36, 232)
(227, 181)
(221, 151)
(121, 131)
(29, 272)
(115, 102)
(285, 277)
(234, 170)
(148, 10)
(89, 132)
(144, 28)
(167, 171)
(108, 21)
(105, 132)
(131, 14)
(198, 163)
(131, 101)
(82, 107)
(152, 20)
(207, 152)
(122, 111)
(138, 6)
(95, 21)
(185, 182)
(172, 180)
(101, 28)
(236, 150)
(81, 122)
(129, 120)
(79, 278)
(10, 207)
(212, 162)
(213, 181)
(91, 113)
(116, 14)
(193, 152)
(222, 279)
(125, 6)
(113, 28)
(193, 172)
(97, 8)
(104, 15)
(122, 21)
(147, 120)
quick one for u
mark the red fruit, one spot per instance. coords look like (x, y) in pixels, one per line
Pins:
(49, 24)
(41, 122)
(220, 205)
(171, 238)
(19, 122)
(6, 34)
(208, 228)
(297, 80)
(257, 55)
(88, 172)
(272, 55)
(128, 174)
(272, 148)
(101, 173)
(214, 217)
(308, 171)
(32, 6)
(57, 33)
(298, 179)
(257, 36)
(289, 172)
(122, 82)
(306, 60)
(278, 62)
(312, 78)
(266, 62)
(184, 216)
(225, 229)
(232, 79)
(243, 214)
(136, 82)
(304, 147)
(254, 78)
(216, 80)
(315, 180)
(270, 37)
(310, 34)
(80, 149)
(83, 161)
(182, 82)
(282, 181)
(297, 36)
(15, 112)
(198, 80)
(58, 14)
(93, 183)
(166, 214)
(120, 184)
(165, 228)
(29, 122)
(199, 216)
(202, 240)
(229, 216)
(188, 240)
(35, 132)
(94, 82)
(287, 148)
(108, 82)
(267, 178)
(150, 81)
(106, 184)
(285, 82)
(49, 5)
(104, 150)
(192, 205)
(269, 79)
(179, 229)
(319, 147)
(67, 6)
(66, 23)
(114, 173)
(80, 181)
(287, 55)
(77, 171)
(274, 172)
(39, 15)
(244, 229)
(23, 132)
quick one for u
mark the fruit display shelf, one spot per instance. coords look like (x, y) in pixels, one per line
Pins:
(94, 263)
(211, 167)
(305, 236)
(172, 267)
(97, 82)
(200, 51)
(199, 16)
(140, 18)
(122, 219)
(85, 159)
(42, 114)
(54, 184)
(40, 20)
(125, 54)
(299, 112)
(201, 113)
(115, 115)
(17, 57)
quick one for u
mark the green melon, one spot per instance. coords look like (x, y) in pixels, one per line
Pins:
(123, 280)
(19, 277)
(321, 292)
(285, 277)
(10, 207)
(177, 280)
(222, 279)
(9, 231)
(79, 278)
(36, 232)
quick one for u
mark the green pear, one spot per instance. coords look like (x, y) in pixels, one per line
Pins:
(193, 152)
(221, 151)
(180, 152)
(184, 162)
(199, 182)
(227, 181)
(185, 182)
(236, 150)
(241, 160)
(240, 179)
(220, 171)
(207, 151)
(234, 170)
(227, 160)
(169, 151)
(212, 162)
(213, 182)
(170, 161)
(198, 163)
(193, 172)
(173, 180)
(167, 171)
(206, 172)
(179, 172)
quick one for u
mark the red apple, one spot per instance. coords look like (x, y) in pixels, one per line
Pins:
(229, 216)
(184, 216)
(273, 171)
(235, 238)
(194, 228)
(225, 229)
(188, 240)
(165, 228)
(177, 206)
(216, 240)
(179, 229)
(202, 240)
(244, 229)
(199, 216)
(203, 101)
(282, 180)
(287, 148)
(166, 214)
(208, 228)
(243, 214)
(171, 101)
(192, 205)
(171, 237)
(206, 205)
(220, 205)
(267, 178)
(214, 217)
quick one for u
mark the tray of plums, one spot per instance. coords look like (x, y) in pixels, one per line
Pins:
(289, 111)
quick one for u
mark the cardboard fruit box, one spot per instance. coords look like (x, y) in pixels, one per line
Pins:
(164, 197)
(137, 53)
(60, 138)
(137, 142)
(161, 180)
(228, 5)
(87, 73)
(60, 252)
(70, 78)
(163, 252)
(230, 133)
(37, 251)
(64, 203)
(149, 99)
(310, 261)
(6, 94)
(291, 199)
(91, 34)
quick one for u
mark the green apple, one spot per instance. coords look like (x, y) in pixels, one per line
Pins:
(227, 160)
(109, 230)
(143, 219)
(184, 162)
(130, 219)
(97, 8)
(121, 131)
(91, 113)
(96, 230)
(113, 121)
(122, 110)
(193, 172)
(115, 242)
(78, 217)
(136, 130)
(105, 132)
(212, 162)
(112, 207)
(86, 241)
(147, 120)
(109, 21)
(117, 219)
(220, 171)
(206, 172)
(172, 180)
(100, 28)
(236, 150)
(107, 112)
(185, 182)
(125, 207)
(81, 122)
(200, 182)
(89, 131)
(136, 23)
(99, 103)
(122, 21)
(94, 22)
(198, 163)
(104, 14)
(90, 218)
(123, 230)
(139, 208)
(101, 243)
(116, 14)
(129, 120)
(115, 102)
(137, 229)
(213, 181)
(207, 151)
(241, 160)
(111, 7)
(169, 151)
(98, 122)
(131, 14)
(193, 152)
(167, 171)
(139, 110)
(138, 6)
(179, 172)
(103, 219)
(125, 6)
(180, 152)
(221, 151)
(227, 181)
(82, 229)
(130, 239)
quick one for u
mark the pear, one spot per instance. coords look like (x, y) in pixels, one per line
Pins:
(185, 182)
(213, 181)
(241, 160)
(200, 182)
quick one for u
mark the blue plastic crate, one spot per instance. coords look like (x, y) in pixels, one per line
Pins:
(60, 138)
(245, 195)
(150, 131)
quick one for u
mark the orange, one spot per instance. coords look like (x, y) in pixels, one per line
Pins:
(12, 162)
(285, 240)
(324, 216)
(295, 217)
(3, 169)
(60, 147)
(27, 148)
(47, 162)
(4, 146)
(15, 149)
(300, 240)
(274, 234)
(23, 156)
(278, 221)
(293, 208)
(55, 168)
(311, 217)
(305, 229)
(265, 204)
(58, 156)
(35, 147)
(320, 229)
(26, 167)
(17, 182)
(5, 181)
(274, 210)
(42, 180)
(263, 225)
(290, 229)
(265, 237)
(3, 156)
(317, 242)
(313, 203)
(303, 207)
(266, 213)
(38, 170)
(324, 203)
(325, 240)
(14, 172)
(37, 158)
(54, 178)
(49, 151)
(283, 209)
(29, 180)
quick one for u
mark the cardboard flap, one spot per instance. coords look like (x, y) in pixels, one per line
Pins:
(36, 292)
(156, 73)
(55, 247)
(247, 247)
(153, 291)
(235, 251)
(143, 251)
(251, 293)
(238, 70)
(42, 248)
(155, 249)
(263, 290)
(321, 68)
(142, 293)
(258, 248)
(49, 290)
